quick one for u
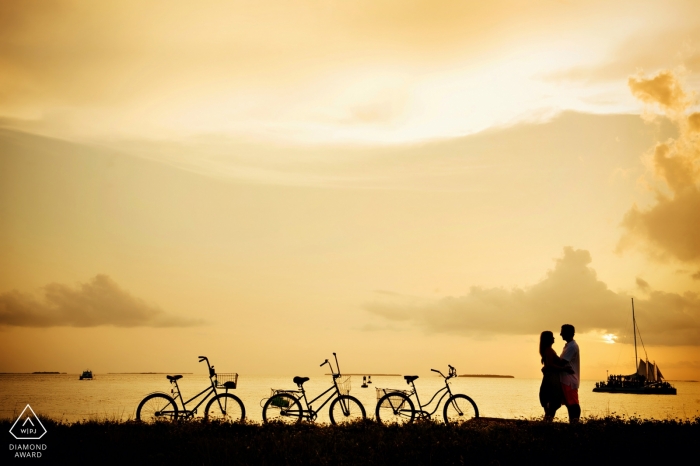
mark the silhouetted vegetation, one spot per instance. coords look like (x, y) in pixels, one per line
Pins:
(593, 441)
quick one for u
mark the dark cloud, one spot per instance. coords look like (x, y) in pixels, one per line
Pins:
(98, 302)
(671, 226)
(569, 293)
(642, 284)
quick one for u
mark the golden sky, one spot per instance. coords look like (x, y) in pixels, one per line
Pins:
(407, 183)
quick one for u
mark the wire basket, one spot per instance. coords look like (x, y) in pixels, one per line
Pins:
(344, 385)
(277, 391)
(229, 380)
(391, 402)
(279, 401)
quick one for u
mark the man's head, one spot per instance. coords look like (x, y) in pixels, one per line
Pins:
(567, 332)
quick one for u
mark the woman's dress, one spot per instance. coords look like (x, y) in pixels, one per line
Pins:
(550, 390)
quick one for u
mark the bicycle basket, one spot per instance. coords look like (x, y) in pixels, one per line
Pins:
(390, 402)
(227, 380)
(281, 401)
(344, 385)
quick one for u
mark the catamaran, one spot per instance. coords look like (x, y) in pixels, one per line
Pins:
(648, 379)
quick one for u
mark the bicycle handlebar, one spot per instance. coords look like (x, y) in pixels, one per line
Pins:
(452, 372)
(212, 371)
(323, 363)
(336, 363)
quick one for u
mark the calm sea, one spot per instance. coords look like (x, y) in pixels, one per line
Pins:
(116, 396)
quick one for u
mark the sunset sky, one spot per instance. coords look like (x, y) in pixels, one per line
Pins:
(408, 183)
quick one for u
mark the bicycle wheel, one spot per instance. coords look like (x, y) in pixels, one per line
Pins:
(156, 407)
(345, 409)
(459, 408)
(225, 407)
(283, 408)
(395, 408)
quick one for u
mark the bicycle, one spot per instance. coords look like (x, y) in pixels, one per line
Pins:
(285, 406)
(396, 407)
(225, 406)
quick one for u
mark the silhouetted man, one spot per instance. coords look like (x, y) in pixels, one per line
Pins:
(570, 381)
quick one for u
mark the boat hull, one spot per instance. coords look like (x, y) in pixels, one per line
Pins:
(638, 390)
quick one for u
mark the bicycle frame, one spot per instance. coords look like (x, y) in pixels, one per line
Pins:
(421, 407)
(178, 394)
(209, 390)
(309, 412)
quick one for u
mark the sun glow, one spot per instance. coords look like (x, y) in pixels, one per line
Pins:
(609, 338)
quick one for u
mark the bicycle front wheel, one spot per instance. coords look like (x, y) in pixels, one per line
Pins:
(157, 407)
(345, 409)
(283, 408)
(459, 408)
(395, 408)
(225, 407)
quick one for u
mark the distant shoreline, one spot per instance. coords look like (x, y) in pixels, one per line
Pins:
(110, 373)
(372, 375)
(147, 373)
(488, 376)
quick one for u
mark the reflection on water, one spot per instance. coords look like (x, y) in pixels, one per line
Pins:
(116, 396)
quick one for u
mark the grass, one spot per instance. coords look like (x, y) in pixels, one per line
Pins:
(609, 440)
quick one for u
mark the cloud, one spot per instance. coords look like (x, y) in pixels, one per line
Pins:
(671, 226)
(569, 293)
(651, 49)
(98, 302)
(642, 284)
(663, 89)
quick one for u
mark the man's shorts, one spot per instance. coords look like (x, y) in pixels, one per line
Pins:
(570, 395)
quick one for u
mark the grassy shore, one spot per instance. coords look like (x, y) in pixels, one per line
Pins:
(593, 441)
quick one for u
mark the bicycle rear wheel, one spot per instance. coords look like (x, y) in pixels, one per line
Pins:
(458, 409)
(283, 408)
(345, 409)
(156, 407)
(225, 407)
(395, 408)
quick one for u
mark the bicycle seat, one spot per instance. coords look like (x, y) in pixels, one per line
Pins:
(300, 380)
(173, 378)
(410, 378)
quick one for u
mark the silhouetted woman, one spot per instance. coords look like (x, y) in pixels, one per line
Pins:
(550, 391)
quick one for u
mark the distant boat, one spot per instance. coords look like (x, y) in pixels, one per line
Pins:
(86, 375)
(648, 379)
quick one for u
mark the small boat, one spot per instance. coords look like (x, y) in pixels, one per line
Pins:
(86, 375)
(648, 379)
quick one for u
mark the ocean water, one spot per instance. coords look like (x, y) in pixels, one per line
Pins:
(116, 396)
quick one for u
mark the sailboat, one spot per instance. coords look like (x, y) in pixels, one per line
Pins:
(648, 379)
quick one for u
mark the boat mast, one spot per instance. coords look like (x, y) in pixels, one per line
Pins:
(634, 329)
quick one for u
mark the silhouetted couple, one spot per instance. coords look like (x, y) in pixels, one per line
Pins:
(560, 375)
